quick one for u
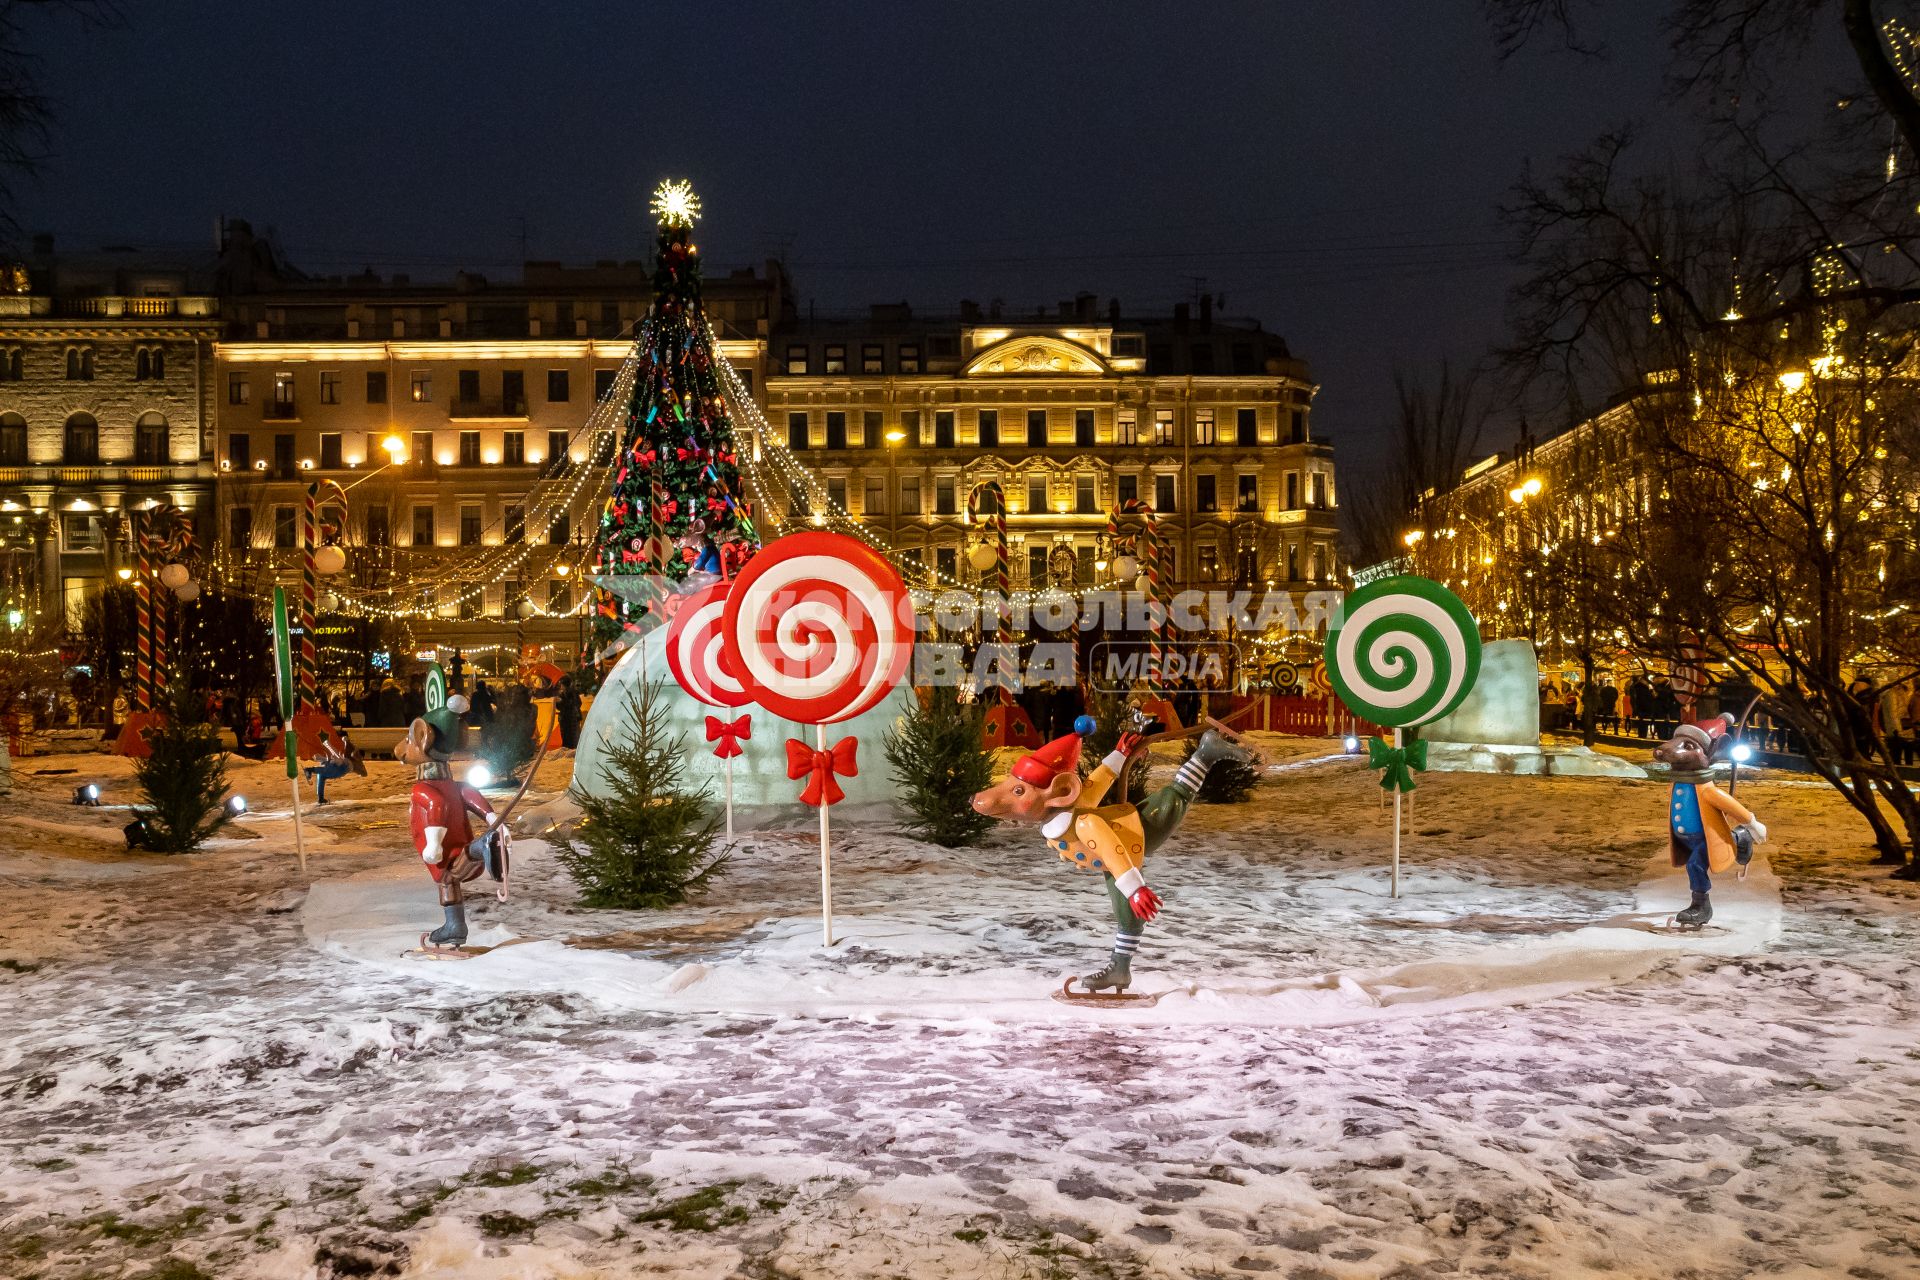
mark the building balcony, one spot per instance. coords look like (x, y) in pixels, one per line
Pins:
(280, 412)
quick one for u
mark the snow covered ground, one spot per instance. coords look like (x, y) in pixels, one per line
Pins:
(211, 1069)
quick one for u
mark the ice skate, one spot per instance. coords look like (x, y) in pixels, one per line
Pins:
(1104, 989)
(1695, 916)
(1215, 747)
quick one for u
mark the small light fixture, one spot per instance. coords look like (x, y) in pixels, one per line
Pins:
(563, 569)
(87, 793)
(125, 573)
(236, 805)
(1742, 753)
(479, 776)
(396, 448)
(306, 464)
(895, 436)
(1353, 745)
(260, 465)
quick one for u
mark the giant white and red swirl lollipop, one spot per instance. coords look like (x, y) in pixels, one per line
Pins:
(818, 627)
(694, 650)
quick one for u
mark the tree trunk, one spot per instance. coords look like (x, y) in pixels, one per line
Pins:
(1589, 709)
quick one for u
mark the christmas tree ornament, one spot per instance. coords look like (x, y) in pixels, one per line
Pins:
(1405, 652)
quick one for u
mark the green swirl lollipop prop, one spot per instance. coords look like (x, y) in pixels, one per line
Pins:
(1405, 653)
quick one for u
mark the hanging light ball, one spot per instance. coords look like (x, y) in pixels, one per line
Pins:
(525, 609)
(188, 590)
(1126, 567)
(983, 556)
(174, 576)
(329, 559)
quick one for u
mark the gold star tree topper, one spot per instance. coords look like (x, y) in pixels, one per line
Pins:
(674, 203)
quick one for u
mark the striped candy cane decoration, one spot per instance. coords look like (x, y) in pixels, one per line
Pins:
(1002, 573)
(1152, 557)
(143, 621)
(310, 591)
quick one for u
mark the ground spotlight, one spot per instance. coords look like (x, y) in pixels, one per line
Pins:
(138, 837)
(87, 793)
(479, 776)
(1352, 745)
(236, 805)
(1742, 753)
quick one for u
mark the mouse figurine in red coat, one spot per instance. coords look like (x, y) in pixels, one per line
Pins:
(440, 814)
(1707, 829)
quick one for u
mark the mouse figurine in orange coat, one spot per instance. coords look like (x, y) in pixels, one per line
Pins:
(1045, 788)
(1707, 829)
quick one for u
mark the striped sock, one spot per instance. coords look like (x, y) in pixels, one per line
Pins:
(1189, 777)
(1125, 944)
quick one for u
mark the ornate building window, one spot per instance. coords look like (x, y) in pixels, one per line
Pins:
(79, 364)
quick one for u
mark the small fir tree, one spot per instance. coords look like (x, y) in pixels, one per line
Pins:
(184, 780)
(647, 843)
(1111, 711)
(1228, 782)
(939, 763)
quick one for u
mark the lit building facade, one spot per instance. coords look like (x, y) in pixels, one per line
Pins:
(1207, 421)
(484, 391)
(105, 400)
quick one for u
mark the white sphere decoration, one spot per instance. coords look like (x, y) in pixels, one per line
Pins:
(1143, 584)
(174, 576)
(983, 557)
(329, 559)
(1126, 568)
(187, 590)
(525, 609)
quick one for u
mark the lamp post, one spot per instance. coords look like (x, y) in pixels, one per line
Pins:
(895, 438)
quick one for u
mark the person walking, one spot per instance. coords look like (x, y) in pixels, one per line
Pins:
(566, 710)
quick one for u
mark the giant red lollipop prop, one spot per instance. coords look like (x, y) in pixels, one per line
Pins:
(694, 650)
(819, 626)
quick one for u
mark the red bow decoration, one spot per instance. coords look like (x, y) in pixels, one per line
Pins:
(819, 768)
(729, 736)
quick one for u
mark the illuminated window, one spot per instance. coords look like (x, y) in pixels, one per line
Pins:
(797, 360)
(1084, 502)
(150, 440)
(836, 361)
(872, 358)
(513, 448)
(909, 357)
(283, 403)
(1126, 430)
(421, 384)
(1203, 427)
(1163, 432)
(329, 386)
(1206, 561)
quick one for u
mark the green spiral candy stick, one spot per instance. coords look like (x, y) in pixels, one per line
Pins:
(1406, 651)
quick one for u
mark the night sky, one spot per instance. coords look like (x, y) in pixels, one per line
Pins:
(1332, 169)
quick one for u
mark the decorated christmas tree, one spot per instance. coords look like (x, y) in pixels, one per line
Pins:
(677, 475)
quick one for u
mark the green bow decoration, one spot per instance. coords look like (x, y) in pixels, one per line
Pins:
(1397, 761)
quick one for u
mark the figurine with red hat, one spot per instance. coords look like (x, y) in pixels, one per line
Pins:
(1045, 788)
(1707, 829)
(438, 813)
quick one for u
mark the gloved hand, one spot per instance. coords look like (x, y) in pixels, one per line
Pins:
(1145, 903)
(1128, 743)
(1759, 830)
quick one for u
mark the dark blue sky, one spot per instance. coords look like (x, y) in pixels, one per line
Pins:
(1331, 168)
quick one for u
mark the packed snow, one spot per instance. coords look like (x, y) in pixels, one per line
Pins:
(217, 1067)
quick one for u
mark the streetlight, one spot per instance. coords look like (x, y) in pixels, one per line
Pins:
(894, 438)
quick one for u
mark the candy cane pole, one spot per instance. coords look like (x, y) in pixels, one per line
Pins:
(143, 619)
(157, 663)
(309, 598)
